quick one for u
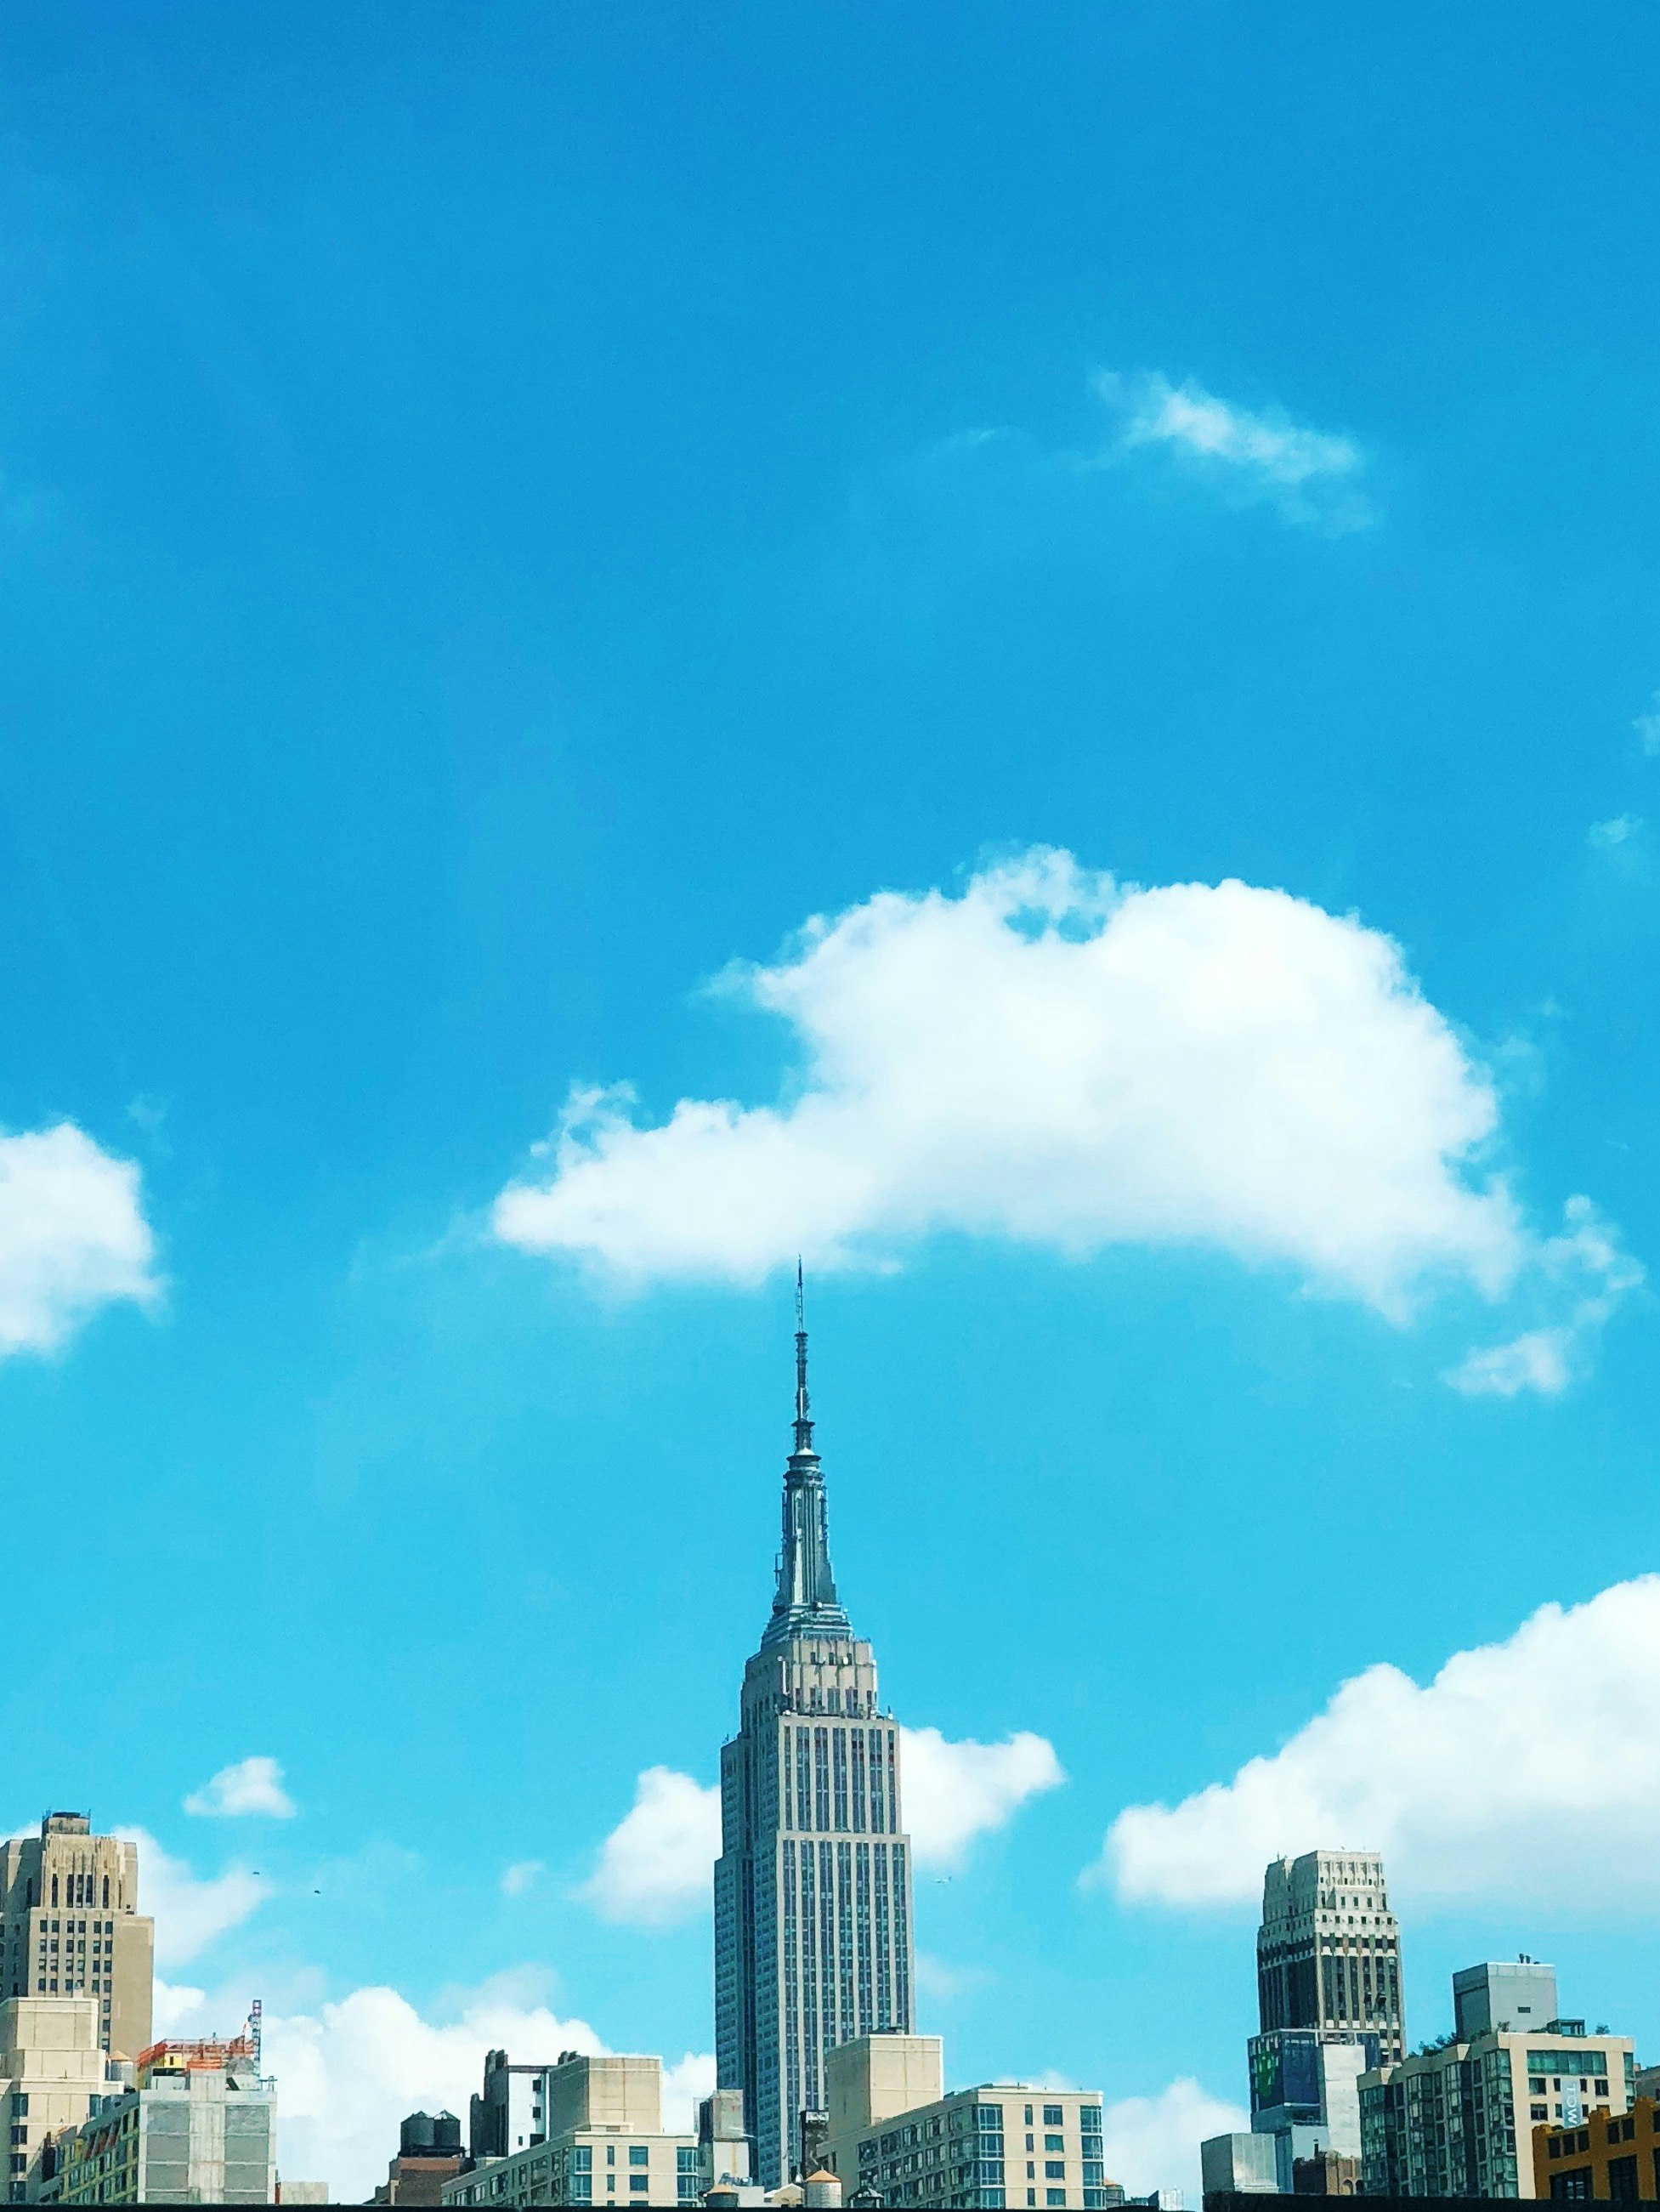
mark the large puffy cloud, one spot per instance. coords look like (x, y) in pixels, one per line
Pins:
(1050, 1059)
(191, 1910)
(1251, 457)
(348, 2072)
(953, 1792)
(1152, 2142)
(1500, 1779)
(73, 1236)
(655, 1866)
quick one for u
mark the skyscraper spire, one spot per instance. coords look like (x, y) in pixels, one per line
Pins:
(805, 1596)
(803, 1421)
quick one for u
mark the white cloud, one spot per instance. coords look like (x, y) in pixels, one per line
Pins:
(176, 2008)
(943, 1983)
(348, 2072)
(1537, 1360)
(952, 1792)
(521, 1877)
(1052, 1059)
(1647, 725)
(1609, 836)
(1500, 1780)
(191, 1913)
(685, 2084)
(251, 1786)
(73, 1236)
(1309, 477)
(1152, 2142)
(655, 1865)
(1583, 1275)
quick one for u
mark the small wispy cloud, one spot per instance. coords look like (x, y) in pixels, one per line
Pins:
(191, 1912)
(1609, 836)
(251, 1786)
(1647, 725)
(945, 1983)
(1585, 1264)
(521, 1877)
(1253, 457)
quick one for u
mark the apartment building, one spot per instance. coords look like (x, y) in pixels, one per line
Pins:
(893, 2128)
(604, 2144)
(1447, 2122)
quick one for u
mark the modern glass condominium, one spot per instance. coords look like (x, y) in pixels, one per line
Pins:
(812, 1890)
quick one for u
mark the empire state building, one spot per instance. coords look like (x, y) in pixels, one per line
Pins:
(812, 1889)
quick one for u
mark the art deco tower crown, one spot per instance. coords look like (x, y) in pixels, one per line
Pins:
(805, 1602)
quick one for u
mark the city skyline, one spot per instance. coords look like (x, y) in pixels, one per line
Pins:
(1018, 651)
(662, 1846)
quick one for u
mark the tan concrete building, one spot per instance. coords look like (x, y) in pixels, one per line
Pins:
(725, 2153)
(894, 2128)
(52, 2072)
(70, 1926)
(198, 2127)
(605, 2144)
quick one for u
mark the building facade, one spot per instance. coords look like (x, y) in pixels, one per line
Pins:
(70, 1926)
(429, 2154)
(510, 2112)
(1305, 2111)
(1448, 2121)
(1613, 2157)
(198, 2127)
(605, 2144)
(53, 2072)
(1327, 2173)
(725, 2153)
(892, 2128)
(1328, 1951)
(812, 1890)
(1503, 1994)
(1239, 2165)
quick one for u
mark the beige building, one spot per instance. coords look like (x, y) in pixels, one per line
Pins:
(893, 2128)
(70, 1926)
(199, 2127)
(1328, 1950)
(605, 2144)
(1458, 2121)
(52, 2072)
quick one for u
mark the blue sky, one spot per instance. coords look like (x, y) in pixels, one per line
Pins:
(508, 512)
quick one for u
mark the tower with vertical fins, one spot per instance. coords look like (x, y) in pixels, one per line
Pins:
(812, 1889)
